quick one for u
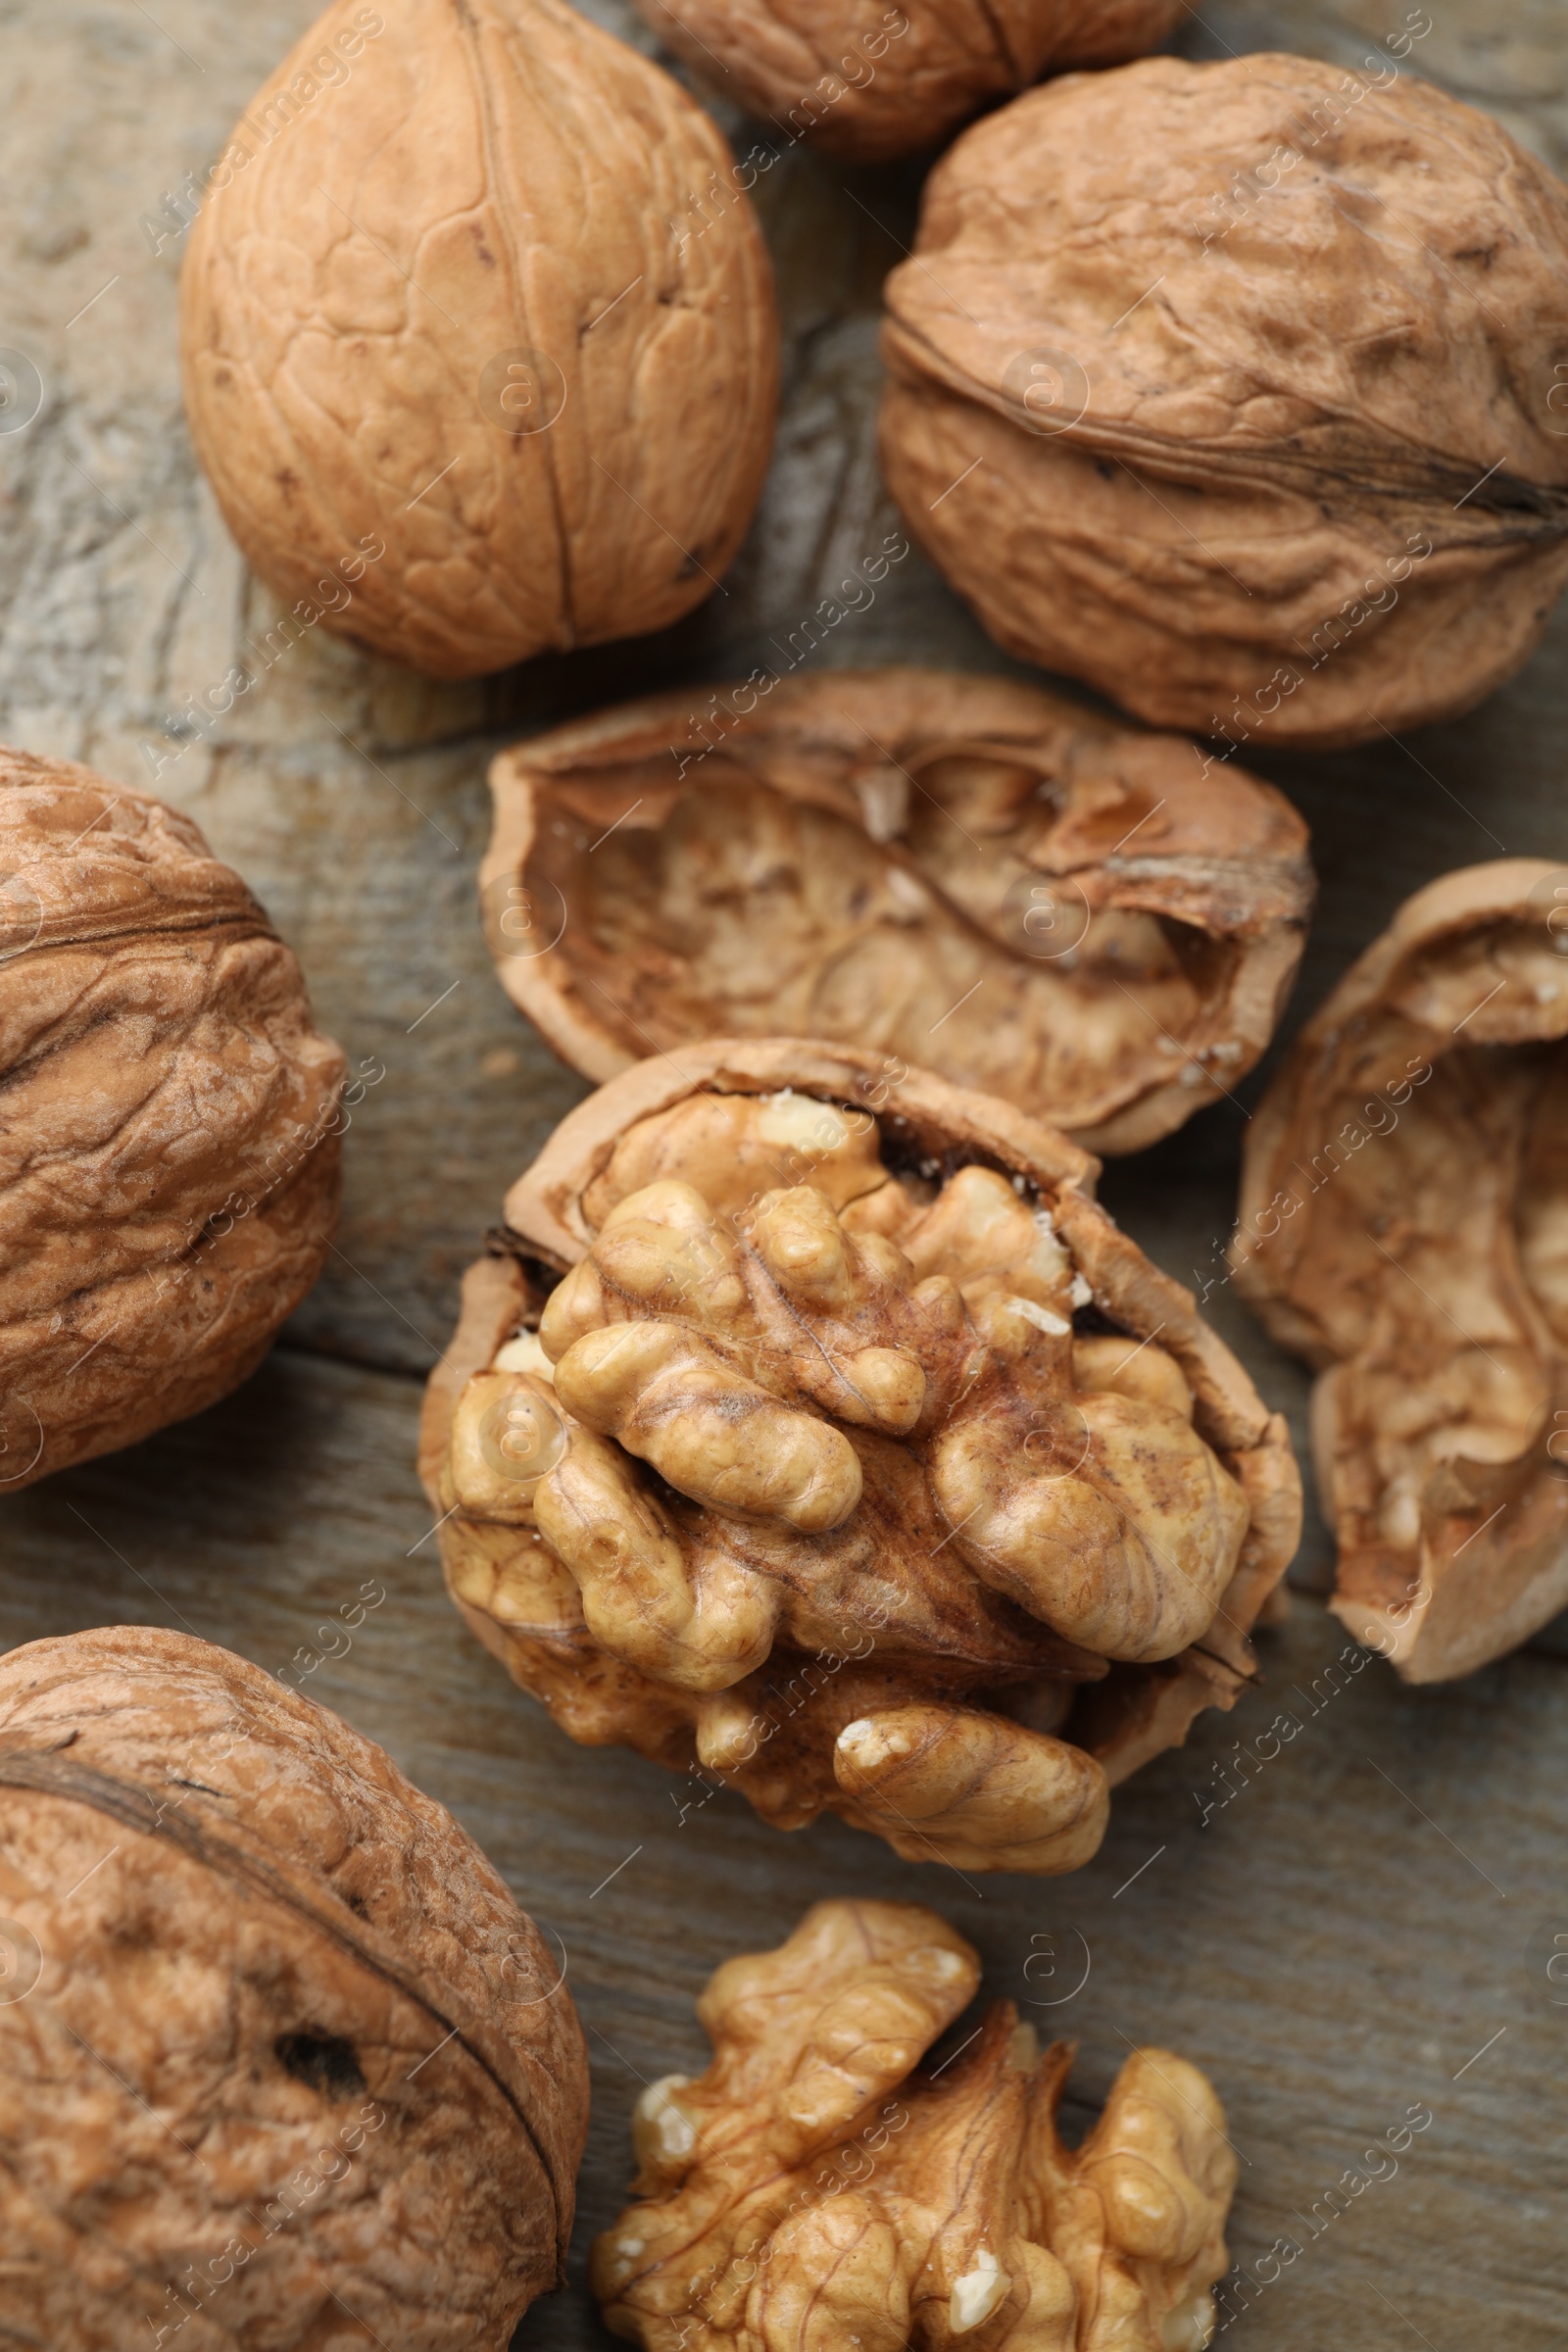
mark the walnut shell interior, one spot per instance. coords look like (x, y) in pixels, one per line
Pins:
(1404, 1227)
(1229, 387)
(280, 2054)
(885, 82)
(168, 1130)
(857, 1461)
(816, 2187)
(454, 326)
(956, 870)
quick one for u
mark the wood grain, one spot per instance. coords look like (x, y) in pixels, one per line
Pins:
(1345, 1934)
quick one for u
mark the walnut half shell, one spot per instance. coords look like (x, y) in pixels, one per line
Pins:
(169, 1120)
(814, 2189)
(1404, 1227)
(958, 870)
(857, 1461)
(283, 2065)
(1236, 389)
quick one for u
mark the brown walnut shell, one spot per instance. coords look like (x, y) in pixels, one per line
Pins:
(1404, 1227)
(815, 2188)
(958, 871)
(1234, 389)
(169, 1120)
(859, 1463)
(452, 333)
(283, 2065)
(876, 81)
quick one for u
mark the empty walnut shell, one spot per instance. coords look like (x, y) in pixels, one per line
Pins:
(450, 336)
(872, 84)
(1235, 389)
(859, 1463)
(957, 871)
(1404, 1227)
(280, 2059)
(815, 2189)
(168, 1117)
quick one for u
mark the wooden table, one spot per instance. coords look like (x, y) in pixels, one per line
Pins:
(1359, 1933)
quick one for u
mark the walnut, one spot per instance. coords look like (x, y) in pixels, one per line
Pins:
(280, 2058)
(958, 870)
(812, 2191)
(169, 1120)
(1231, 389)
(880, 81)
(455, 325)
(858, 1463)
(1405, 1226)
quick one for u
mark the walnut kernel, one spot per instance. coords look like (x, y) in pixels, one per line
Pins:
(856, 1461)
(814, 2189)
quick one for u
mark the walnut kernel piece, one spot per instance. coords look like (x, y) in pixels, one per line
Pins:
(449, 345)
(1226, 387)
(1404, 1227)
(812, 2189)
(169, 1121)
(804, 1478)
(957, 871)
(289, 2050)
(903, 79)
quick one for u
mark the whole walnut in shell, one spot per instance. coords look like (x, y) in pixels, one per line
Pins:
(814, 2190)
(857, 1461)
(1404, 1227)
(1233, 388)
(169, 1120)
(453, 308)
(957, 871)
(283, 2065)
(873, 82)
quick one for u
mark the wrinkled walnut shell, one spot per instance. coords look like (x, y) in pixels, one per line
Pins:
(1404, 1227)
(896, 78)
(169, 1120)
(282, 2063)
(814, 2190)
(939, 1560)
(1234, 393)
(954, 869)
(452, 335)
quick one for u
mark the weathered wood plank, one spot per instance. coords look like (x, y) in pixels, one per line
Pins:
(1321, 1946)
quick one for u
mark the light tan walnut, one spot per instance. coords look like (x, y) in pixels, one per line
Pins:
(454, 328)
(1404, 1227)
(870, 82)
(960, 871)
(855, 1460)
(170, 1121)
(1234, 388)
(814, 2189)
